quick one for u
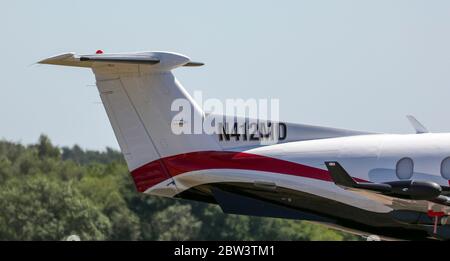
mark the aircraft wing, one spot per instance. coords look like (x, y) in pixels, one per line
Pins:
(235, 200)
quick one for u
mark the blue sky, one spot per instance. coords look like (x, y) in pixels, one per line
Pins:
(360, 65)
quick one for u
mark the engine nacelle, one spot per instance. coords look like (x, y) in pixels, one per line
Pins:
(407, 189)
(414, 189)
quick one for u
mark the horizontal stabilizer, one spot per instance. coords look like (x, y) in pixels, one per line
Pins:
(135, 59)
(160, 60)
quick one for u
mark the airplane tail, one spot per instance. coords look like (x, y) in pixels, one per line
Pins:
(137, 91)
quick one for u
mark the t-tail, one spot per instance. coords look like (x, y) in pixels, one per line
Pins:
(137, 91)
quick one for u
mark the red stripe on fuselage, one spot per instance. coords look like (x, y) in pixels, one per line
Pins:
(149, 175)
(154, 173)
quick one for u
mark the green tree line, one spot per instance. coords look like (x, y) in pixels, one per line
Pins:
(49, 193)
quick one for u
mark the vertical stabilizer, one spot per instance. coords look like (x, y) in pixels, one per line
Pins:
(137, 91)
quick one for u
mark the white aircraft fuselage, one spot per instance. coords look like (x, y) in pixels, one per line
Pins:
(393, 185)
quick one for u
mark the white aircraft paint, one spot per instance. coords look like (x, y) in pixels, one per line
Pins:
(137, 94)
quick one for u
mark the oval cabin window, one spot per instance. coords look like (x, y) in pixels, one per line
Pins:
(445, 168)
(405, 168)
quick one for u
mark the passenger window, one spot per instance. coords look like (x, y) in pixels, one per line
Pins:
(405, 168)
(445, 168)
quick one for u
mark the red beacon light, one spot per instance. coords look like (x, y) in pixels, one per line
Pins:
(99, 52)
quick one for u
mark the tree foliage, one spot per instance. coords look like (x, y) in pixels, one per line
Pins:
(50, 193)
(39, 208)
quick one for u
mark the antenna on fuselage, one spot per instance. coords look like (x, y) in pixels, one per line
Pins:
(417, 125)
